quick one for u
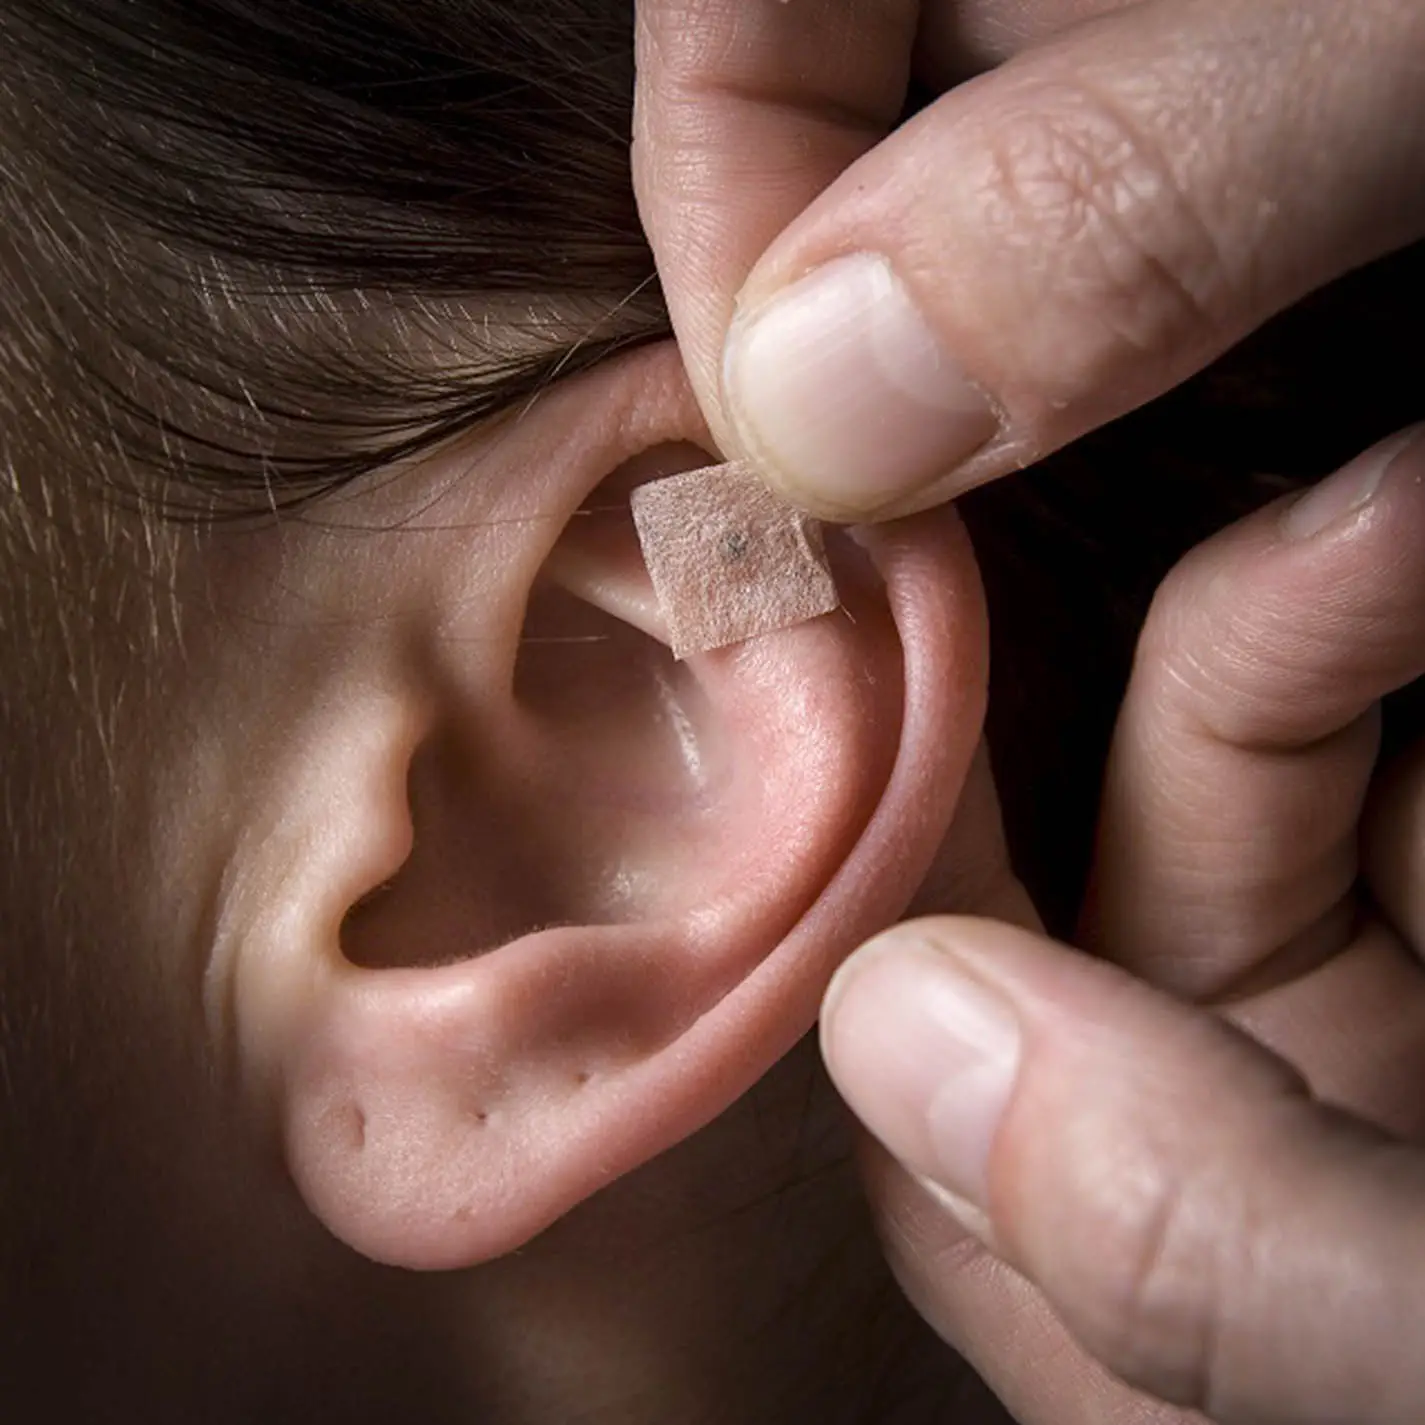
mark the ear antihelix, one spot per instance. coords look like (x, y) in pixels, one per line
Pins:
(564, 807)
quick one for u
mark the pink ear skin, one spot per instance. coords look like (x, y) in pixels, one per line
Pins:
(436, 1117)
(578, 900)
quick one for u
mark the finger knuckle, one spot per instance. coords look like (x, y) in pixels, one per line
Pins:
(1228, 662)
(1083, 192)
(1205, 676)
(844, 67)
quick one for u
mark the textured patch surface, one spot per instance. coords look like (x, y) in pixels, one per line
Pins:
(729, 560)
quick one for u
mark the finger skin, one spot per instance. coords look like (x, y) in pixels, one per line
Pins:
(1227, 844)
(1239, 769)
(1094, 221)
(996, 1319)
(962, 37)
(744, 111)
(1206, 1230)
(1393, 846)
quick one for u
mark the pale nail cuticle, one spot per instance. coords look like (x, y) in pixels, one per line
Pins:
(963, 1117)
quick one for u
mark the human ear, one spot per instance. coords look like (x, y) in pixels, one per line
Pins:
(535, 901)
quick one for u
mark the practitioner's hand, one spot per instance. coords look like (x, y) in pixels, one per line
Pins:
(1039, 250)
(1221, 1207)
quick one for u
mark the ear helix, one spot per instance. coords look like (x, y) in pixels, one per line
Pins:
(629, 882)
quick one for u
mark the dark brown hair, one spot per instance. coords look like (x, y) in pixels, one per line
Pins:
(251, 245)
(256, 244)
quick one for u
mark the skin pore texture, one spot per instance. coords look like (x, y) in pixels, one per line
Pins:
(377, 881)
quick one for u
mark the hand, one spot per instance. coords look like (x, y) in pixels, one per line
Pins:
(1036, 252)
(1219, 1208)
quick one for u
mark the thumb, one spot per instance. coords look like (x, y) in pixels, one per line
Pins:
(1205, 1228)
(1056, 242)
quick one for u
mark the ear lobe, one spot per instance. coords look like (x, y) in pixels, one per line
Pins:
(630, 882)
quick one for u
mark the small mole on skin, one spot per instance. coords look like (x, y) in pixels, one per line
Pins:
(734, 545)
(582, 1077)
(358, 1126)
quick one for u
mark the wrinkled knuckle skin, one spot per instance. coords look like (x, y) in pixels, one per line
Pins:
(1218, 666)
(1186, 658)
(1235, 664)
(1150, 1318)
(1088, 199)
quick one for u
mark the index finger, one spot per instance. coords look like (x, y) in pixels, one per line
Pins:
(744, 111)
(1227, 850)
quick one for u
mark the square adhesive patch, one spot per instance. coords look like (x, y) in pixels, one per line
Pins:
(728, 559)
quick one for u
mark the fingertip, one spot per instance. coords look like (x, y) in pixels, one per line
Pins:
(926, 1055)
(1334, 502)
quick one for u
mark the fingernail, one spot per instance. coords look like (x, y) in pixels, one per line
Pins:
(925, 1055)
(841, 391)
(1346, 492)
(970, 1217)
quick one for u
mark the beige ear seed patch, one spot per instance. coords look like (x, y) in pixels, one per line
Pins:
(728, 559)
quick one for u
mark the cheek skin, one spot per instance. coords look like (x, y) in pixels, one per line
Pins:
(127, 1184)
(157, 680)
